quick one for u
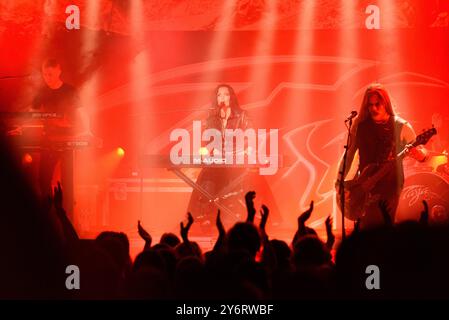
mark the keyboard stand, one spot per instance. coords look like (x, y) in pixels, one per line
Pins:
(201, 190)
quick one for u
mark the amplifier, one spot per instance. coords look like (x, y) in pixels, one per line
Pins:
(88, 213)
(160, 204)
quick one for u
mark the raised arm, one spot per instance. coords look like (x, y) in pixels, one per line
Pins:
(145, 236)
(302, 229)
(249, 199)
(69, 231)
(268, 255)
(330, 236)
(185, 229)
(221, 233)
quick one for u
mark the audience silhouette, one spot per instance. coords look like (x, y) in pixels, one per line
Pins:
(38, 242)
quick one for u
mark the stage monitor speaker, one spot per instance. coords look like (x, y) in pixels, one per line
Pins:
(160, 204)
(88, 213)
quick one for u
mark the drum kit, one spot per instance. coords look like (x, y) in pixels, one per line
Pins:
(428, 180)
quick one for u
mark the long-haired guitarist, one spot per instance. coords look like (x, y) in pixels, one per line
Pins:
(378, 135)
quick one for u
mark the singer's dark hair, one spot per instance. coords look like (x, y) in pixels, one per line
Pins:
(233, 103)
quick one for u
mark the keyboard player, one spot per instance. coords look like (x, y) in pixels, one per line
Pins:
(59, 98)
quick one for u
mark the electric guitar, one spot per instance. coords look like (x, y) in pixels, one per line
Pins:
(358, 195)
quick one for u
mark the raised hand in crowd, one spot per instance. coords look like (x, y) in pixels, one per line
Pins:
(302, 229)
(185, 229)
(144, 235)
(69, 231)
(305, 215)
(249, 200)
(268, 254)
(57, 197)
(303, 218)
(219, 224)
(384, 209)
(424, 217)
(264, 212)
(221, 233)
(330, 236)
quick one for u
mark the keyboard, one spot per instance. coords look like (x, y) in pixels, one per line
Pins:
(31, 115)
(164, 161)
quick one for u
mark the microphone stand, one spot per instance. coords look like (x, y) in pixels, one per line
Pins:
(341, 182)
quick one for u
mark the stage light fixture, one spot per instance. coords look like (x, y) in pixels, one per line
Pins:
(120, 152)
(27, 159)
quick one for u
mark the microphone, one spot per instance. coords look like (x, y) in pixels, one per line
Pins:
(352, 116)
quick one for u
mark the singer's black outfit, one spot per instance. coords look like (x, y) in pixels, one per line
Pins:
(217, 181)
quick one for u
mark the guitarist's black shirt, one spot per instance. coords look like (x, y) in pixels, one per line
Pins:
(378, 143)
